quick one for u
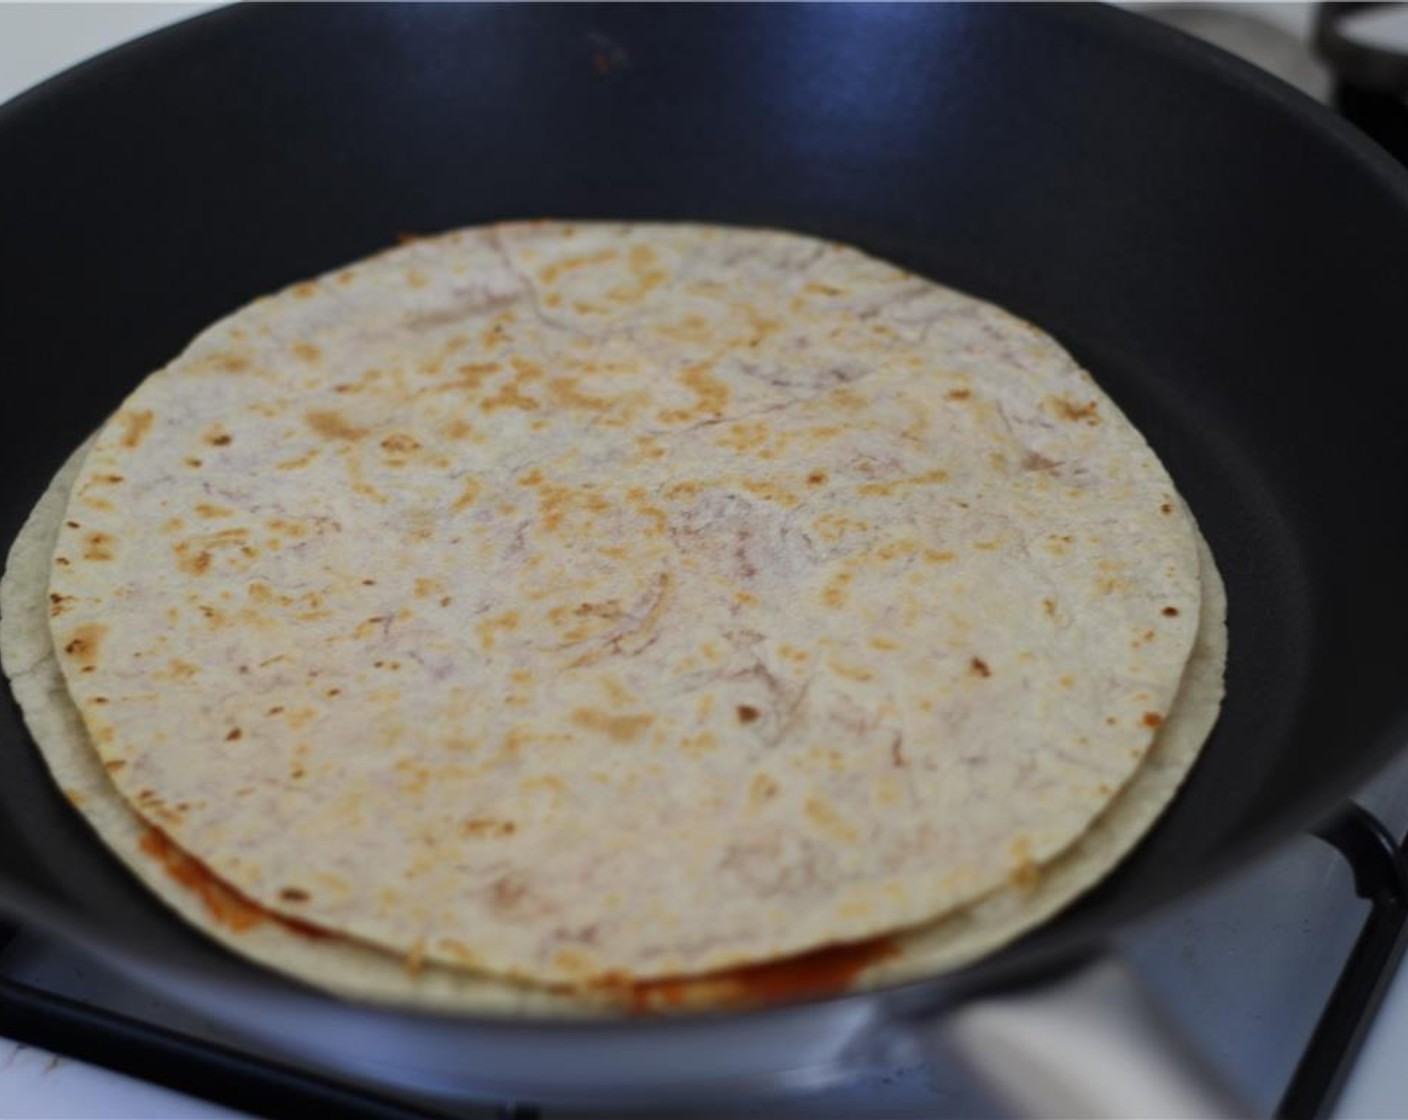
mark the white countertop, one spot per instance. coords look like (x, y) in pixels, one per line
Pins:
(37, 40)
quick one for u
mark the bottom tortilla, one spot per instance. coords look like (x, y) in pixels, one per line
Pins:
(349, 968)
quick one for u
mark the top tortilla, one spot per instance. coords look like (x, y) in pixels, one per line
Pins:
(573, 602)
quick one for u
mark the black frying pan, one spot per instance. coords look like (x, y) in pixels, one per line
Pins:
(1229, 260)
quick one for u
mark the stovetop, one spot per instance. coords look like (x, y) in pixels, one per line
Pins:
(1274, 975)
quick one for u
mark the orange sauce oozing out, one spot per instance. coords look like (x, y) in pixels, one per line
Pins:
(821, 972)
(826, 971)
(225, 905)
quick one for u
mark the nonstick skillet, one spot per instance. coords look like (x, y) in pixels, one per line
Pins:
(1229, 260)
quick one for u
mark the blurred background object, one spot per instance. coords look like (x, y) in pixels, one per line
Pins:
(1275, 37)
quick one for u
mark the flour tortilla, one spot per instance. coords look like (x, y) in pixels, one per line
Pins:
(577, 603)
(356, 970)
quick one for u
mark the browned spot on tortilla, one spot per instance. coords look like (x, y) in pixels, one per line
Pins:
(770, 491)
(1036, 461)
(472, 375)
(181, 670)
(294, 894)
(194, 562)
(565, 393)
(1166, 508)
(113, 765)
(621, 729)
(414, 960)
(509, 396)
(711, 395)
(469, 492)
(1069, 410)
(507, 892)
(703, 743)
(824, 816)
(816, 478)
(747, 713)
(487, 826)
(1170, 612)
(229, 363)
(550, 273)
(333, 425)
(834, 593)
(821, 972)
(852, 672)
(83, 643)
(400, 443)
(457, 949)
(234, 735)
(958, 394)
(135, 426)
(305, 290)
(1152, 719)
(1049, 606)
(979, 668)
(506, 622)
(1025, 874)
(307, 351)
(426, 587)
(763, 788)
(98, 546)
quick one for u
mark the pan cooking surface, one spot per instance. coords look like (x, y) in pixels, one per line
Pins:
(1228, 266)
